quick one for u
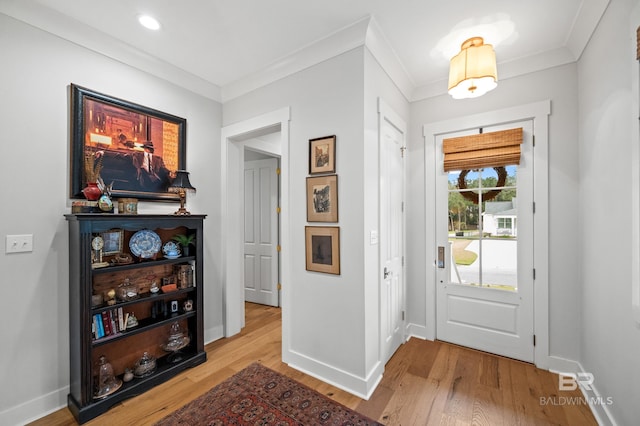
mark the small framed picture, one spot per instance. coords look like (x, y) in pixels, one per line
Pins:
(322, 246)
(322, 198)
(322, 155)
(112, 242)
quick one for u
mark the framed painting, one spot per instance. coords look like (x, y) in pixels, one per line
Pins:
(322, 198)
(322, 155)
(112, 241)
(322, 247)
(133, 148)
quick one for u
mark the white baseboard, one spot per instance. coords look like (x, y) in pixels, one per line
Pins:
(415, 330)
(53, 401)
(37, 408)
(361, 387)
(597, 402)
(213, 334)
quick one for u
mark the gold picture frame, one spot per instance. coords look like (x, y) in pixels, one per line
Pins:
(322, 247)
(322, 198)
(322, 155)
(112, 242)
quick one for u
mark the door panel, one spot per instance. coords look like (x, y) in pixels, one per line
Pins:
(391, 238)
(485, 284)
(261, 232)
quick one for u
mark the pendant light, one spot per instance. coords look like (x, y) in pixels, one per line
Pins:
(473, 71)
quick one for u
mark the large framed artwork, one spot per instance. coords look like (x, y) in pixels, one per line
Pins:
(136, 149)
(322, 198)
(322, 155)
(322, 246)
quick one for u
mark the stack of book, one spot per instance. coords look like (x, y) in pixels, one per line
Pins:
(109, 323)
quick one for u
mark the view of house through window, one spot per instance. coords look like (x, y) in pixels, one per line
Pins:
(483, 227)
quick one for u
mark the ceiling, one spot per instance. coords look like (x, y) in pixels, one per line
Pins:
(210, 46)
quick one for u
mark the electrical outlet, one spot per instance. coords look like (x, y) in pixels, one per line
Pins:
(19, 243)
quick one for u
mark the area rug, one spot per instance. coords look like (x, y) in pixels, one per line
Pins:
(258, 395)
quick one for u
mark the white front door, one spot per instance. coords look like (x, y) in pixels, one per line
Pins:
(391, 238)
(261, 231)
(485, 254)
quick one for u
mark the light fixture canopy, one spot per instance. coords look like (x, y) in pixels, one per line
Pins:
(473, 71)
(181, 185)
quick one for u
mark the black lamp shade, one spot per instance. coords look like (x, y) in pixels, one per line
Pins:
(181, 182)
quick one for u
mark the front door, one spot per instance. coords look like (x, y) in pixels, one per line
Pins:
(261, 231)
(484, 234)
(391, 238)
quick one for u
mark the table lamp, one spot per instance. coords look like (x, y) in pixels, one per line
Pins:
(181, 185)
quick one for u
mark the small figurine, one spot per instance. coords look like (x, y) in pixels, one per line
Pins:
(128, 375)
(111, 294)
(188, 305)
(132, 321)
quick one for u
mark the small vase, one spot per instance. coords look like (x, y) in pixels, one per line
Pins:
(92, 192)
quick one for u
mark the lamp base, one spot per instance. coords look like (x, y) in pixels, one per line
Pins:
(182, 212)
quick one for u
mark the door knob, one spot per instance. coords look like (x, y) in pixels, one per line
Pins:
(387, 272)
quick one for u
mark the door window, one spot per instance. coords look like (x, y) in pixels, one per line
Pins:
(483, 227)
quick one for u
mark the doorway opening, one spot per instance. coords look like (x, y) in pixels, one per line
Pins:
(267, 134)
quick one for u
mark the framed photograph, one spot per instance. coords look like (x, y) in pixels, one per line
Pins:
(322, 198)
(112, 241)
(322, 246)
(322, 155)
(134, 148)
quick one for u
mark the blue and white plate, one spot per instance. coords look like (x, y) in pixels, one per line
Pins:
(145, 244)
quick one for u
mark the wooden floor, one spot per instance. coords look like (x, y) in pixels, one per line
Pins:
(424, 383)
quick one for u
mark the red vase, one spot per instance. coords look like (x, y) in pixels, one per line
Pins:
(92, 192)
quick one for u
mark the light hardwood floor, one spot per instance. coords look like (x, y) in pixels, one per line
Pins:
(424, 383)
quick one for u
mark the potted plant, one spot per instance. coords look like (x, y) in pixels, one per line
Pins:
(185, 241)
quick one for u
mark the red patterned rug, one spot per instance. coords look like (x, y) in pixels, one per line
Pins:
(258, 395)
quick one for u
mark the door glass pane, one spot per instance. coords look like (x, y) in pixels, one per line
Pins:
(483, 229)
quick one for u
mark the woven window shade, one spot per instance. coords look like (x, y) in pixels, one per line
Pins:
(493, 149)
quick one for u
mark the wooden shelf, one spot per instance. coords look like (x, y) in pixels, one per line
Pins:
(152, 311)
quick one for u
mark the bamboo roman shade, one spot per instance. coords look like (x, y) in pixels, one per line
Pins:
(493, 149)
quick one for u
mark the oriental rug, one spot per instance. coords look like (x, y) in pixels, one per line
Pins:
(258, 395)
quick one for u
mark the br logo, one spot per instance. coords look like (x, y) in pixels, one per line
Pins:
(570, 381)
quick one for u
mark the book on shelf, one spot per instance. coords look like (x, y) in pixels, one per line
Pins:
(106, 323)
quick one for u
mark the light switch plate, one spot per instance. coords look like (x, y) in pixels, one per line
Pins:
(19, 243)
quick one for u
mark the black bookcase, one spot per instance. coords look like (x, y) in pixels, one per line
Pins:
(155, 312)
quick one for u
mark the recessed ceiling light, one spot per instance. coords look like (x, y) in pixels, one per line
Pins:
(149, 22)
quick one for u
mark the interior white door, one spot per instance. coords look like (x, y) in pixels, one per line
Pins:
(261, 231)
(485, 264)
(391, 238)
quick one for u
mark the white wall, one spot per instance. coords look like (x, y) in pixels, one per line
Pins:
(327, 311)
(558, 85)
(611, 347)
(36, 71)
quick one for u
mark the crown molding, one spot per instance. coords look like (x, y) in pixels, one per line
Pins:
(364, 32)
(587, 20)
(327, 47)
(78, 33)
(386, 56)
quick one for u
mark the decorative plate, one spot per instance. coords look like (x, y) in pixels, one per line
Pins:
(171, 250)
(145, 244)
